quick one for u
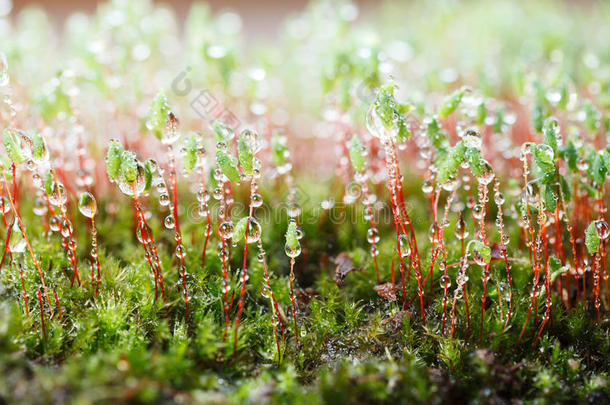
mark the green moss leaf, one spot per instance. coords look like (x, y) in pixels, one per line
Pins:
(544, 157)
(451, 103)
(113, 158)
(591, 239)
(228, 165)
(222, 132)
(551, 132)
(592, 117)
(240, 229)
(190, 158)
(279, 149)
(292, 240)
(39, 148)
(148, 176)
(157, 115)
(129, 166)
(357, 153)
(436, 135)
(448, 167)
(245, 150)
(11, 144)
(48, 182)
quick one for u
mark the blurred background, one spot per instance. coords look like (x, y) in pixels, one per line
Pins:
(262, 18)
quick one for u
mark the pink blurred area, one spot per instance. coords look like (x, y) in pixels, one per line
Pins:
(261, 18)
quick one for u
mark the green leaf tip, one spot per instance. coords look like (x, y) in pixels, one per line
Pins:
(113, 159)
(246, 147)
(11, 144)
(451, 102)
(129, 166)
(228, 165)
(190, 158)
(357, 153)
(157, 114)
(591, 239)
(292, 240)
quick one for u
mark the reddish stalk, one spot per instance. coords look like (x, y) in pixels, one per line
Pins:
(224, 254)
(596, 259)
(27, 241)
(149, 241)
(394, 176)
(7, 247)
(483, 202)
(537, 248)
(25, 295)
(274, 307)
(461, 283)
(294, 310)
(96, 255)
(244, 274)
(441, 237)
(44, 331)
(205, 206)
(57, 303)
(504, 254)
(369, 208)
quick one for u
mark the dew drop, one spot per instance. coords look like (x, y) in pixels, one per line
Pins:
(87, 205)
(257, 200)
(293, 252)
(602, 229)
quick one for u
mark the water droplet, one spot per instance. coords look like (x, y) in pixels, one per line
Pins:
(59, 195)
(368, 213)
(327, 204)
(87, 205)
(139, 185)
(405, 247)
(17, 241)
(372, 235)
(5, 205)
(164, 200)
(487, 174)
(226, 230)
(602, 229)
(499, 198)
(477, 211)
(292, 253)
(293, 210)
(445, 281)
(66, 228)
(374, 250)
(460, 229)
(54, 223)
(581, 164)
(261, 256)
(427, 187)
(254, 231)
(257, 200)
(478, 257)
(450, 185)
(472, 138)
(170, 222)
